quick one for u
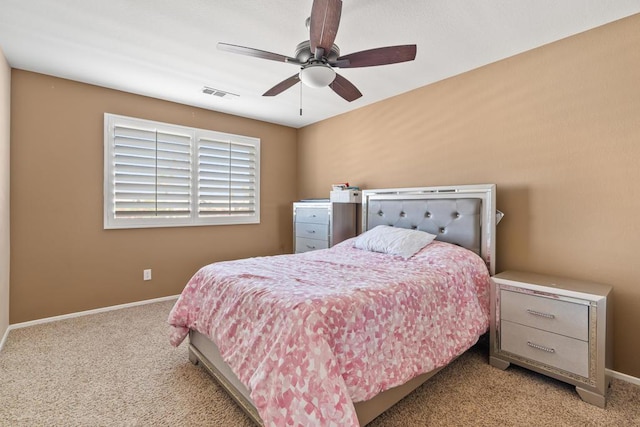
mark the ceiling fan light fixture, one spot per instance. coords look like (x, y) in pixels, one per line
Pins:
(317, 75)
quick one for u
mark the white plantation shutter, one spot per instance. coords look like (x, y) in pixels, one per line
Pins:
(152, 173)
(227, 178)
(173, 175)
(159, 175)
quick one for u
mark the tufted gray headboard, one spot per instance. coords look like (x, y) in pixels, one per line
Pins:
(464, 215)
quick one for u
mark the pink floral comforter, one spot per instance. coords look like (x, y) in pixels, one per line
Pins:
(309, 334)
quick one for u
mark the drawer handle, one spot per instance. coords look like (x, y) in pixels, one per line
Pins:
(311, 231)
(311, 247)
(537, 313)
(540, 347)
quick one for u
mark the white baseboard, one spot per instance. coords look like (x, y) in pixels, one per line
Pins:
(4, 338)
(623, 377)
(86, 313)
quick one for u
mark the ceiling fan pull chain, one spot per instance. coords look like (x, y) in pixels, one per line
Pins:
(300, 98)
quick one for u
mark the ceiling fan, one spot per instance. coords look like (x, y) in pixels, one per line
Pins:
(318, 56)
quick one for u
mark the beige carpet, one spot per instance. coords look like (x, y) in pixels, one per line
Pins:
(118, 369)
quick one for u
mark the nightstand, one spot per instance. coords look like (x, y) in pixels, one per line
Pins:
(555, 326)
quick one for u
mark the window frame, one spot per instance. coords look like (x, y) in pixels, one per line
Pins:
(111, 221)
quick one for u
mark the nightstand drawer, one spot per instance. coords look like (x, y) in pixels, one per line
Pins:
(303, 244)
(553, 315)
(312, 231)
(555, 350)
(312, 215)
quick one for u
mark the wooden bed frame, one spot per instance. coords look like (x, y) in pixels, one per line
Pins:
(465, 215)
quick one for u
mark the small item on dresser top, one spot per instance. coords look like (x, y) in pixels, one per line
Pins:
(344, 193)
(340, 186)
(346, 196)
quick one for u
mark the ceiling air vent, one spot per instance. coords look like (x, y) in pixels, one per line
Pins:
(219, 93)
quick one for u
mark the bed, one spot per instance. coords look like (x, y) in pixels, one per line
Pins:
(337, 336)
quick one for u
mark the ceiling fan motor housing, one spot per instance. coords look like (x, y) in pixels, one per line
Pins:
(303, 52)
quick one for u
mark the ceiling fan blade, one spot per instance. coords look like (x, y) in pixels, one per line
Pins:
(282, 86)
(323, 25)
(345, 88)
(256, 53)
(379, 56)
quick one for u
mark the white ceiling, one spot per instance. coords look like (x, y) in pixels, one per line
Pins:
(167, 49)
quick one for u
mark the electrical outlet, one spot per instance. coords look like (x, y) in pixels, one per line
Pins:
(146, 274)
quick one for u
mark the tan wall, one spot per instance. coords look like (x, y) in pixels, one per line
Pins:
(5, 102)
(62, 260)
(557, 129)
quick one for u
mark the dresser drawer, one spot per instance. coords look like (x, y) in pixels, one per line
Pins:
(304, 244)
(555, 350)
(312, 231)
(553, 315)
(312, 215)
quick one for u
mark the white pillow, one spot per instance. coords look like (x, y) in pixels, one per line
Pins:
(393, 240)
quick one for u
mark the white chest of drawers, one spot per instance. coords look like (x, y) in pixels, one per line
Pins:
(555, 326)
(320, 225)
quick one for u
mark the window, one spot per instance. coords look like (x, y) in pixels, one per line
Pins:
(163, 175)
